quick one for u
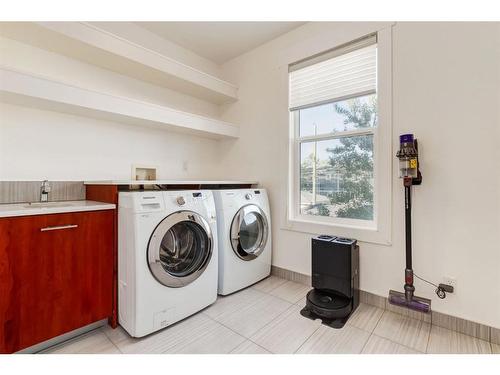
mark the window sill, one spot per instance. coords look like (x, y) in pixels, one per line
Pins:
(370, 235)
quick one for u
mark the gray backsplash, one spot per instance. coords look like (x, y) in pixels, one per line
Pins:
(29, 191)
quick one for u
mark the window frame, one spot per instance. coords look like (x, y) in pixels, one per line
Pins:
(377, 230)
(298, 140)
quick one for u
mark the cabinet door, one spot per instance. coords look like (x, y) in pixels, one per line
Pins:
(55, 275)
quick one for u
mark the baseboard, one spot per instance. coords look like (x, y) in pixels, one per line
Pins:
(290, 275)
(450, 322)
(63, 338)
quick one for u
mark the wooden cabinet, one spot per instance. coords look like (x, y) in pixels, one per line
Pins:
(56, 275)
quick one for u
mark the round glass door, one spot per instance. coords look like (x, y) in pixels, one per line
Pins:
(249, 231)
(180, 249)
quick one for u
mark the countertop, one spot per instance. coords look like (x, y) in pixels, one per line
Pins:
(170, 182)
(29, 209)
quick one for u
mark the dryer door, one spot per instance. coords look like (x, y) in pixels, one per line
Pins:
(180, 249)
(249, 232)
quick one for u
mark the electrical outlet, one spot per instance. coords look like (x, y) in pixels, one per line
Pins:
(452, 281)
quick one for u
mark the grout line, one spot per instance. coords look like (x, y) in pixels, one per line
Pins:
(260, 346)
(283, 315)
(111, 341)
(253, 301)
(289, 277)
(363, 329)
(292, 303)
(376, 324)
(253, 342)
(366, 342)
(428, 340)
(308, 337)
(272, 295)
(204, 334)
(268, 292)
(397, 343)
(296, 304)
(271, 321)
(222, 324)
(239, 334)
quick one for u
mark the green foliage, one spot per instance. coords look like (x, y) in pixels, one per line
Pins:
(356, 210)
(323, 210)
(353, 158)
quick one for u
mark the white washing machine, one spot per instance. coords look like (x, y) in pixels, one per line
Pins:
(244, 226)
(167, 257)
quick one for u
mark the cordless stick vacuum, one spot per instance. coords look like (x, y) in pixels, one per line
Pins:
(410, 173)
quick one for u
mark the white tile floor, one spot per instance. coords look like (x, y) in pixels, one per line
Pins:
(265, 319)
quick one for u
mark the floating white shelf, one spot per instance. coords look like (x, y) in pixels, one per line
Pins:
(170, 182)
(40, 92)
(100, 47)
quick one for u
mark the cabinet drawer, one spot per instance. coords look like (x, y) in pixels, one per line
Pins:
(56, 274)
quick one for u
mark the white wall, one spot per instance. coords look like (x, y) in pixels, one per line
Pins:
(446, 90)
(37, 144)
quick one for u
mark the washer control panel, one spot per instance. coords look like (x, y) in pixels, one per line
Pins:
(186, 198)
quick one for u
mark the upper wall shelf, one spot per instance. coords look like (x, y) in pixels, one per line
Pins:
(171, 182)
(100, 47)
(40, 92)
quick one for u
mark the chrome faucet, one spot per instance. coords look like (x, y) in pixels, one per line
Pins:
(44, 191)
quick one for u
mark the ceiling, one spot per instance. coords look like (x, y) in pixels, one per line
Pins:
(219, 41)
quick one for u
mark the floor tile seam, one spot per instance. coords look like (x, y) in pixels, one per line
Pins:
(293, 303)
(457, 333)
(397, 343)
(285, 312)
(260, 346)
(378, 323)
(268, 291)
(109, 339)
(204, 334)
(231, 329)
(366, 342)
(373, 329)
(428, 339)
(308, 337)
(387, 338)
(237, 310)
(239, 334)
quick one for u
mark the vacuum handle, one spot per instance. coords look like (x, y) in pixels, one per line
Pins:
(408, 226)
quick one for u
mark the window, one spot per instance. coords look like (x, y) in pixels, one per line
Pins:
(334, 113)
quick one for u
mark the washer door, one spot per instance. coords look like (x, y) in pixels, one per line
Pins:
(180, 249)
(249, 232)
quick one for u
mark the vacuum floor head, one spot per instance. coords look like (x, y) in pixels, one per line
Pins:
(415, 303)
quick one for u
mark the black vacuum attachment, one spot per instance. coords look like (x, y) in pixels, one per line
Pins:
(410, 173)
(335, 279)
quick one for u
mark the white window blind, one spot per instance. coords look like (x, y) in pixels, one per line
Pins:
(343, 72)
